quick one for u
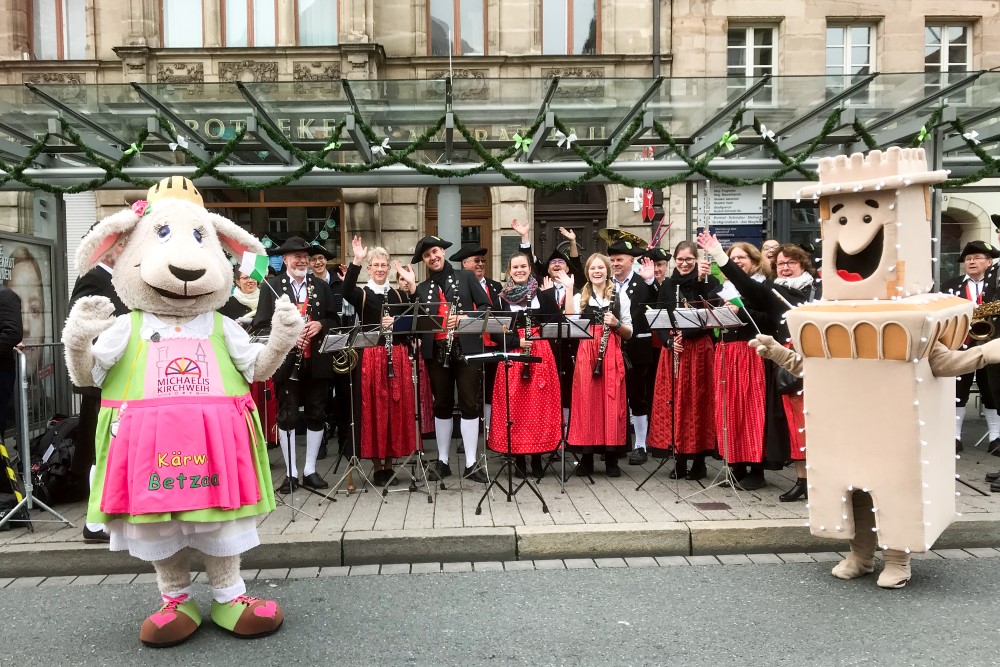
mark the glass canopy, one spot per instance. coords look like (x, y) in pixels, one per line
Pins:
(458, 121)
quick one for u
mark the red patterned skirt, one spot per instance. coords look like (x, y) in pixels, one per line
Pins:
(744, 403)
(426, 398)
(267, 408)
(695, 400)
(796, 425)
(600, 407)
(534, 406)
(387, 419)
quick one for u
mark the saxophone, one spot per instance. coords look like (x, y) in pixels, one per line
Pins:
(526, 368)
(605, 335)
(387, 333)
(981, 328)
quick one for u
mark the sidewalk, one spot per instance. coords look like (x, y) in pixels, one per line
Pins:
(607, 519)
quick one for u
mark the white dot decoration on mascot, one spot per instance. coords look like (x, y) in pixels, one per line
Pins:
(181, 460)
(878, 355)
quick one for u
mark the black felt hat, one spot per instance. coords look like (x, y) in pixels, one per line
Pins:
(316, 248)
(557, 254)
(467, 251)
(625, 248)
(424, 244)
(995, 219)
(658, 254)
(291, 244)
(979, 247)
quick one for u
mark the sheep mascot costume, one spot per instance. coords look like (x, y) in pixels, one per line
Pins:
(181, 459)
(878, 355)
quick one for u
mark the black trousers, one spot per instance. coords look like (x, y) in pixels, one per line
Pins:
(444, 381)
(84, 440)
(639, 383)
(963, 385)
(308, 392)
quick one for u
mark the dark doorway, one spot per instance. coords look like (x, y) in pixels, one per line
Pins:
(583, 209)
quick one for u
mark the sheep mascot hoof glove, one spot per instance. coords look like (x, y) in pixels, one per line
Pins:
(878, 355)
(182, 465)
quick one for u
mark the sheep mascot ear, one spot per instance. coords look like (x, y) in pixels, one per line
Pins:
(234, 239)
(103, 236)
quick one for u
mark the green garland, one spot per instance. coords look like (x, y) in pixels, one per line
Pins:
(490, 160)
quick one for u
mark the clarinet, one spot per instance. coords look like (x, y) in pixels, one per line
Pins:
(526, 368)
(449, 340)
(605, 335)
(387, 333)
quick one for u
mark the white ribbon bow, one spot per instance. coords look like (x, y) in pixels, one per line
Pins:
(380, 149)
(564, 138)
(181, 142)
(766, 133)
(971, 136)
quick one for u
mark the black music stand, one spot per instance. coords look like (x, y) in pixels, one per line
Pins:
(290, 452)
(413, 319)
(507, 359)
(560, 328)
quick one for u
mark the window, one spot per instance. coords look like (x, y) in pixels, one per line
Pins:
(850, 52)
(750, 55)
(319, 22)
(457, 27)
(947, 50)
(251, 22)
(182, 24)
(569, 27)
(59, 29)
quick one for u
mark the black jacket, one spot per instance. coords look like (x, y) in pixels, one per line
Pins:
(368, 304)
(11, 331)
(759, 297)
(695, 292)
(322, 308)
(461, 288)
(639, 347)
(96, 282)
(957, 286)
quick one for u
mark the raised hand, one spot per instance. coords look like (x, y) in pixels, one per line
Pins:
(708, 241)
(522, 228)
(704, 268)
(359, 250)
(407, 279)
(646, 268)
(566, 280)
(547, 283)
(568, 234)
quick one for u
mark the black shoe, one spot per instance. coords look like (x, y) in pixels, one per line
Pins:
(697, 471)
(520, 470)
(739, 471)
(537, 469)
(992, 476)
(314, 481)
(95, 536)
(958, 446)
(461, 448)
(798, 491)
(994, 447)
(752, 481)
(379, 478)
(995, 486)
(637, 457)
(389, 476)
(439, 471)
(272, 445)
(474, 474)
(613, 470)
(287, 486)
(680, 471)
(322, 452)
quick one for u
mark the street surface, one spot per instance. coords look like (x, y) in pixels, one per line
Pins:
(753, 614)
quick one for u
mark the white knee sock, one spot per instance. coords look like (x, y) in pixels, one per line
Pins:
(470, 438)
(292, 471)
(314, 440)
(487, 413)
(442, 433)
(992, 423)
(959, 418)
(94, 526)
(641, 425)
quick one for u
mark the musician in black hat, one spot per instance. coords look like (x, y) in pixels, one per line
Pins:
(313, 370)
(473, 258)
(641, 376)
(976, 258)
(462, 289)
(661, 265)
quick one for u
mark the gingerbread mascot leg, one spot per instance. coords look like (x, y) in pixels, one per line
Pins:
(861, 560)
(178, 618)
(232, 609)
(897, 569)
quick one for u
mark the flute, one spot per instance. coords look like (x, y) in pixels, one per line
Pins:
(449, 341)
(605, 336)
(387, 333)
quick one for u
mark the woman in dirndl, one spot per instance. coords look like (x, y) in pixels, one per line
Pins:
(535, 408)
(690, 426)
(387, 405)
(600, 410)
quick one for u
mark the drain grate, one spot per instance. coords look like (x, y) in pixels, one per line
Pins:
(712, 506)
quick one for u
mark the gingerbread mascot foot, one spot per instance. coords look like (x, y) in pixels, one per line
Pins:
(248, 617)
(897, 569)
(172, 624)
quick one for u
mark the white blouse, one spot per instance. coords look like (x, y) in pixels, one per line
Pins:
(624, 306)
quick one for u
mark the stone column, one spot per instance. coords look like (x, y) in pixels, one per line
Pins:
(286, 23)
(15, 33)
(213, 23)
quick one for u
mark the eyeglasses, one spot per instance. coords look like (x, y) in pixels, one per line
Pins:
(685, 260)
(790, 262)
(477, 260)
(318, 258)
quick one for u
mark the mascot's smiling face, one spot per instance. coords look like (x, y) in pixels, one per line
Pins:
(174, 260)
(875, 219)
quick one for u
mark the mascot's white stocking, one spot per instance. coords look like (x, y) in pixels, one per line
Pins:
(182, 465)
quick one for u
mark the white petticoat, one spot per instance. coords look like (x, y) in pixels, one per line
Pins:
(156, 541)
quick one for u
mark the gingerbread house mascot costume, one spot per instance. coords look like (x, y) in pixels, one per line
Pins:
(878, 355)
(181, 460)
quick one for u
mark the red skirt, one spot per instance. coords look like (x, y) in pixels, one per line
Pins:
(426, 398)
(600, 407)
(695, 400)
(744, 404)
(796, 425)
(387, 418)
(535, 407)
(267, 408)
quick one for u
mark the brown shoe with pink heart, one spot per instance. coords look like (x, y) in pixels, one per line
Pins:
(248, 617)
(172, 624)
